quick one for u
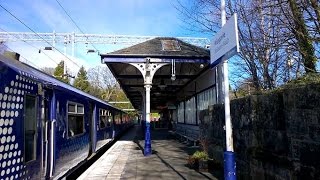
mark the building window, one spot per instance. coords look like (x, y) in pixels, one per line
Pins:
(30, 128)
(105, 119)
(75, 119)
(181, 112)
(191, 109)
(205, 99)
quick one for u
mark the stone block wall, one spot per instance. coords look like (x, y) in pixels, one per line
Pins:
(276, 135)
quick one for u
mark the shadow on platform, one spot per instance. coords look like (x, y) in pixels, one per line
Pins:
(172, 153)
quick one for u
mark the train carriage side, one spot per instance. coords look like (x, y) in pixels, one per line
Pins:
(72, 130)
(83, 125)
(44, 126)
(20, 124)
(104, 125)
(48, 127)
(118, 127)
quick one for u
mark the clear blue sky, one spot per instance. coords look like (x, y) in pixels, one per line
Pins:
(120, 17)
(134, 17)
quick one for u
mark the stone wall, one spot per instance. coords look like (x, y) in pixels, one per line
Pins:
(276, 135)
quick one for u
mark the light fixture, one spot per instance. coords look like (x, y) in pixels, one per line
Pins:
(201, 65)
(46, 48)
(91, 51)
(173, 70)
(173, 77)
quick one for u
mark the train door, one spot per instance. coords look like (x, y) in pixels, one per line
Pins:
(31, 158)
(44, 134)
(49, 130)
(92, 122)
(113, 125)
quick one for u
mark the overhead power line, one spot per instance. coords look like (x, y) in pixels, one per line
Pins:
(17, 37)
(74, 23)
(37, 34)
(28, 61)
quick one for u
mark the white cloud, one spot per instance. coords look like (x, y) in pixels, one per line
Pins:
(45, 58)
(51, 15)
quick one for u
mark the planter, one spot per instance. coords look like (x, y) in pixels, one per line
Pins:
(193, 163)
(214, 165)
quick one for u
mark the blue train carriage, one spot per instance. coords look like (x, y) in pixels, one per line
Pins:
(105, 131)
(20, 129)
(46, 126)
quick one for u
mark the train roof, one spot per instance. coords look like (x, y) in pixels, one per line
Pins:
(37, 75)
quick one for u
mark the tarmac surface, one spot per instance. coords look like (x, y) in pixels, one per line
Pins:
(125, 159)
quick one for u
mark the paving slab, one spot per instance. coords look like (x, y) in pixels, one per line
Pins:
(125, 160)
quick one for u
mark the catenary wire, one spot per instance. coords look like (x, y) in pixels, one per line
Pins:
(31, 45)
(37, 34)
(75, 24)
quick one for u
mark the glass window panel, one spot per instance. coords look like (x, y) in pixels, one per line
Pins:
(75, 119)
(80, 109)
(72, 108)
(117, 119)
(204, 99)
(181, 112)
(105, 118)
(102, 122)
(75, 125)
(30, 130)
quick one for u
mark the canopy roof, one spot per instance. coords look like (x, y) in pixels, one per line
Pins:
(190, 60)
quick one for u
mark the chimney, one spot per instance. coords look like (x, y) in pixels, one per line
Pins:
(12, 55)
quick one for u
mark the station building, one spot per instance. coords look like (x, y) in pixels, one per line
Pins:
(177, 75)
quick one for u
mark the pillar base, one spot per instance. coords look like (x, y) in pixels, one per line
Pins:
(229, 166)
(147, 140)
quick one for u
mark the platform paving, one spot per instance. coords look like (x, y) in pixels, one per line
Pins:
(125, 159)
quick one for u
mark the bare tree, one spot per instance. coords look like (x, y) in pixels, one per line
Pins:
(295, 17)
(48, 70)
(261, 57)
(102, 82)
(267, 40)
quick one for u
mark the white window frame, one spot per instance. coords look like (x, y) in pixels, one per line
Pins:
(34, 155)
(75, 113)
(105, 113)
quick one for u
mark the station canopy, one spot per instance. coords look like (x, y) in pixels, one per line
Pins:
(190, 62)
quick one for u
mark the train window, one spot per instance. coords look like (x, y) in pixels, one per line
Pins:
(104, 118)
(117, 119)
(75, 119)
(80, 108)
(71, 108)
(30, 128)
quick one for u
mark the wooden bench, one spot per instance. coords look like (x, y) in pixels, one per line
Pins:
(187, 135)
(193, 136)
(181, 133)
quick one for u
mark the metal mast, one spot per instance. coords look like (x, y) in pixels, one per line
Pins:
(89, 38)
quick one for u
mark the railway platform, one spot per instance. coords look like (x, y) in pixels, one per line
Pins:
(125, 159)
